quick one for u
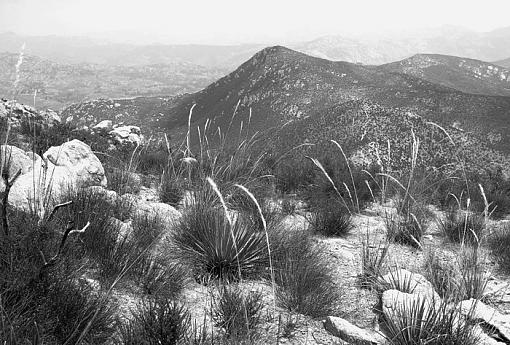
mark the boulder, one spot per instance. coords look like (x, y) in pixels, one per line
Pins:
(105, 124)
(345, 330)
(418, 283)
(396, 305)
(45, 181)
(14, 159)
(79, 159)
(127, 134)
(168, 214)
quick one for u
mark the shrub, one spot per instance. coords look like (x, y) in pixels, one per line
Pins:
(372, 261)
(237, 312)
(331, 221)
(463, 226)
(123, 180)
(157, 321)
(499, 244)
(215, 248)
(47, 302)
(302, 274)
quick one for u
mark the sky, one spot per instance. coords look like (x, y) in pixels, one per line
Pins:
(240, 21)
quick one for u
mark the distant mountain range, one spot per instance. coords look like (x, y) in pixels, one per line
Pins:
(281, 86)
(56, 85)
(448, 40)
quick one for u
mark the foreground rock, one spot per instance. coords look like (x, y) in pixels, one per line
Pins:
(345, 330)
(416, 283)
(495, 324)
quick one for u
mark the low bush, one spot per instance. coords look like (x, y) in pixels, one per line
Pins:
(304, 281)
(237, 312)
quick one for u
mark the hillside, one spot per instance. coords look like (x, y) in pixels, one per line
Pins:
(462, 74)
(281, 85)
(58, 84)
(504, 63)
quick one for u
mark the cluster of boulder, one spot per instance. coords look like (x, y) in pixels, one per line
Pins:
(121, 134)
(42, 182)
(490, 326)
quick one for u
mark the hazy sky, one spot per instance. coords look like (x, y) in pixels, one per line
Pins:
(233, 21)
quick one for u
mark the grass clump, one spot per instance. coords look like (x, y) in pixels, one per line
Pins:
(303, 277)
(331, 221)
(442, 274)
(237, 312)
(373, 257)
(463, 226)
(499, 244)
(216, 248)
(157, 321)
(171, 190)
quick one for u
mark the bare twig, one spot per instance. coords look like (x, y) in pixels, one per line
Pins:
(5, 200)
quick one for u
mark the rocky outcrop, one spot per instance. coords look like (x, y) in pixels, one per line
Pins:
(16, 112)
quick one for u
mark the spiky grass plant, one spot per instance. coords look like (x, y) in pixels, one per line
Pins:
(443, 275)
(473, 280)
(215, 247)
(397, 279)
(420, 321)
(331, 221)
(373, 257)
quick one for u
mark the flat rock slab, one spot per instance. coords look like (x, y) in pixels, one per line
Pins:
(345, 330)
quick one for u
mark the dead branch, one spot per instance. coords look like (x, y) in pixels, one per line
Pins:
(5, 200)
